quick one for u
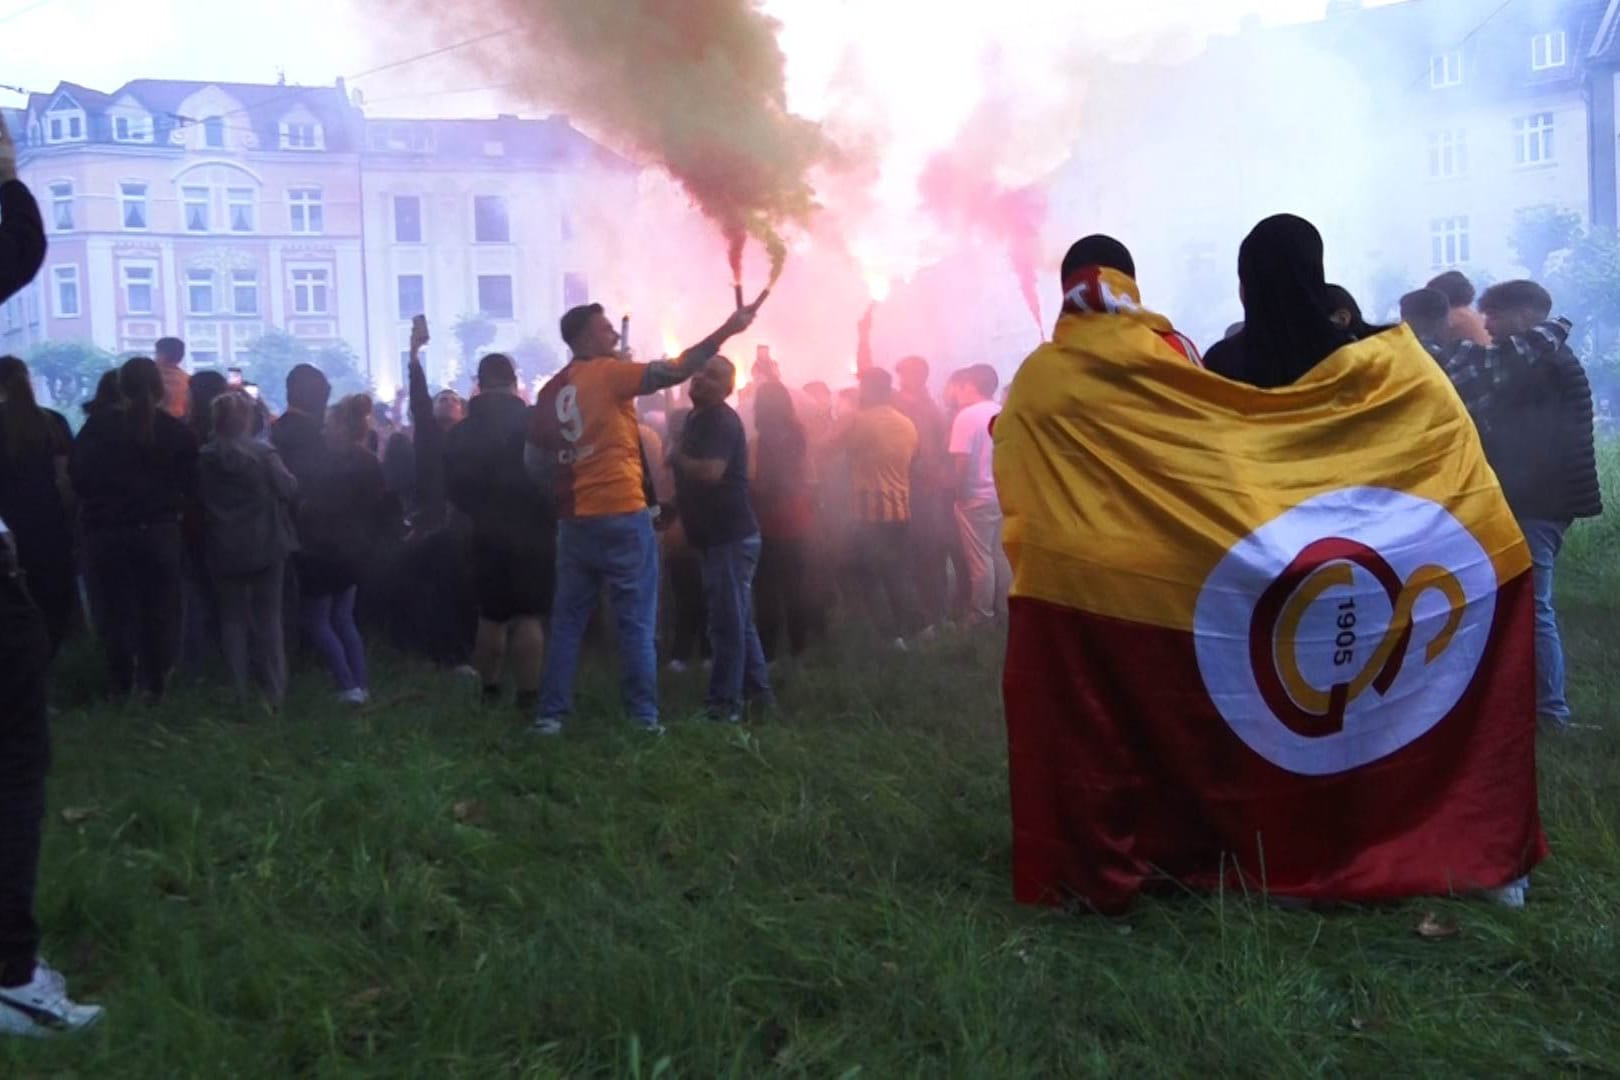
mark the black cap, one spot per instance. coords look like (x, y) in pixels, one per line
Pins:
(574, 320)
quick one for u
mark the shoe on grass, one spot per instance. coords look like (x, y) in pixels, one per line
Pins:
(546, 725)
(41, 1008)
(1510, 895)
(356, 696)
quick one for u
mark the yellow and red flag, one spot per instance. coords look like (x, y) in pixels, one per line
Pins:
(1277, 637)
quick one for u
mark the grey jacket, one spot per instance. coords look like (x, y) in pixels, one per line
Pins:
(246, 496)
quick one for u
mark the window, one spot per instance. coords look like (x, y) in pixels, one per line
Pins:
(310, 289)
(305, 207)
(138, 281)
(1550, 50)
(131, 129)
(57, 130)
(407, 219)
(1533, 139)
(203, 358)
(239, 209)
(245, 292)
(132, 201)
(1446, 69)
(490, 223)
(300, 135)
(411, 294)
(495, 295)
(194, 208)
(65, 291)
(200, 292)
(576, 290)
(214, 133)
(1448, 154)
(62, 207)
(1448, 242)
(75, 127)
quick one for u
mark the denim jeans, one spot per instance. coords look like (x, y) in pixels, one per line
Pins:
(728, 593)
(329, 625)
(1545, 539)
(619, 551)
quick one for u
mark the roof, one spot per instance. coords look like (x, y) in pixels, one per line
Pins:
(1606, 42)
(261, 107)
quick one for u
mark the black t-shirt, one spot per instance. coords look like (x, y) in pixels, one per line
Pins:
(720, 513)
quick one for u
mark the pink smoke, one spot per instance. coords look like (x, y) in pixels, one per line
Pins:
(960, 194)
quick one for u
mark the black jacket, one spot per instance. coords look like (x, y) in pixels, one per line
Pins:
(298, 438)
(484, 473)
(22, 238)
(246, 494)
(1539, 440)
(122, 480)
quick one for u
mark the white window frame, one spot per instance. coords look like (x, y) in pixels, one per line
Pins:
(302, 135)
(188, 199)
(1446, 69)
(237, 198)
(144, 200)
(240, 280)
(311, 201)
(506, 209)
(1448, 153)
(132, 129)
(421, 230)
(126, 281)
(65, 125)
(1549, 50)
(66, 274)
(317, 280)
(197, 279)
(1450, 242)
(210, 125)
(62, 194)
(1533, 139)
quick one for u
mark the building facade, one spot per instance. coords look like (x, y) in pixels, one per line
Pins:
(217, 211)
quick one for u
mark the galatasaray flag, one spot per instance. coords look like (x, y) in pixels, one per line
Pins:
(1276, 638)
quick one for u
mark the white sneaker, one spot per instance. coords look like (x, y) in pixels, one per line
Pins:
(1510, 895)
(356, 696)
(467, 671)
(41, 1007)
(546, 725)
(900, 645)
(678, 666)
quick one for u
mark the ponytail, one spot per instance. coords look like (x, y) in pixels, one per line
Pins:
(141, 384)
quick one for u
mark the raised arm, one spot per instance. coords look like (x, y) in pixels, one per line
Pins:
(1479, 371)
(662, 374)
(22, 232)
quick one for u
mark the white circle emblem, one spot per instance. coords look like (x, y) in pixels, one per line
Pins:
(1345, 628)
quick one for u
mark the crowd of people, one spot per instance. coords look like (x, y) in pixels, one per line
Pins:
(486, 535)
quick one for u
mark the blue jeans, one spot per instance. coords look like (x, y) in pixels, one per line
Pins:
(728, 595)
(621, 552)
(1545, 539)
(329, 625)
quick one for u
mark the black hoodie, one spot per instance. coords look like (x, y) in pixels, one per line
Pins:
(485, 475)
(123, 480)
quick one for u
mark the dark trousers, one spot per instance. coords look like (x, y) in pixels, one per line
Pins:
(881, 555)
(780, 600)
(136, 571)
(687, 612)
(25, 650)
(739, 663)
(250, 631)
(930, 535)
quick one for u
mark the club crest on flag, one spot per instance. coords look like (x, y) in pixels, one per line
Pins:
(1344, 629)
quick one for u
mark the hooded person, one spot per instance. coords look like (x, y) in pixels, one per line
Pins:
(1287, 307)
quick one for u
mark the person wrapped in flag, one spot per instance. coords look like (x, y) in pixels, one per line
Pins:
(1272, 633)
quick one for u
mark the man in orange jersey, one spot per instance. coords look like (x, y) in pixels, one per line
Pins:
(881, 444)
(584, 444)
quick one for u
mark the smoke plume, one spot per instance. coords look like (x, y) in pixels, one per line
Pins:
(958, 193)
(696, 85)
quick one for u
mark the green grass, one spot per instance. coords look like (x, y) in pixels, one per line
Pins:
(423, 890)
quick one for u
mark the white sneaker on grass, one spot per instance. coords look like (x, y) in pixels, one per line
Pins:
(546, 725)
(357, 696)
(1510, 895)
(41, 1007)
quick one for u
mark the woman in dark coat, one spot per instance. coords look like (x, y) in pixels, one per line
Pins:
(35, 496)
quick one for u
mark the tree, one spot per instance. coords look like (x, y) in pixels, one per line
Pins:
(535, 358)
(1541, 231)
(70, 371)
(473, 332)
(274, 353)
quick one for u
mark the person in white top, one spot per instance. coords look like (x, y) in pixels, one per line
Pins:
(978, 513)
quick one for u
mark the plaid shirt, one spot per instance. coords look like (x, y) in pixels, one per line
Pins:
(1482, 372)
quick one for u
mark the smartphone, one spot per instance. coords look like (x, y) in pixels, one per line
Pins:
(419, 327)
(251, 390)
(233, 378)
(762, 352)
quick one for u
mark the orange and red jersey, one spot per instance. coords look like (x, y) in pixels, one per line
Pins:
(586, 426)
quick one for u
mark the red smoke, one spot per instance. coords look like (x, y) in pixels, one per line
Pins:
(963, 197)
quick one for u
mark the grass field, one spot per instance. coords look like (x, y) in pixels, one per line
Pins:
(423, 890)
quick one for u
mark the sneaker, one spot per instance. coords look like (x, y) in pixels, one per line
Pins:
(900, 645)
(650, 727)
(678, 666)
(357, 696)
(467, 671)
(546, 725)
(722, 716)
(1510, 895)
(41, 1007)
